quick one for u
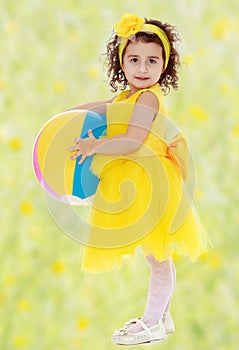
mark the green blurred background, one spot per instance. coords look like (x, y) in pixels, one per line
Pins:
(49, 61)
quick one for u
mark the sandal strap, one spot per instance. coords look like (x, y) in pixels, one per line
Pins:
(144, 326)
(137, 321)
(132, 321)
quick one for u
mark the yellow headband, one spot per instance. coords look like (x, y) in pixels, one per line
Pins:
(130, 25)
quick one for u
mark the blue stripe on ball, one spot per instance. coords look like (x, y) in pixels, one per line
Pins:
(84, 182)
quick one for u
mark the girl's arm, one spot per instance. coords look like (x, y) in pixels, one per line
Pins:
(97, 106)
(145, 111)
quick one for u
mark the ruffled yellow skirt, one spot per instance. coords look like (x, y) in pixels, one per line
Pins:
(141, 202)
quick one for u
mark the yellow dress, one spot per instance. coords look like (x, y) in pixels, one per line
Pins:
(141, 198)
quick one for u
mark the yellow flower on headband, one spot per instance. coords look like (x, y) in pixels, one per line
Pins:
(128, 25)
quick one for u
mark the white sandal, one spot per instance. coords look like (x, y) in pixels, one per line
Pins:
(167, 322)
(147, 335)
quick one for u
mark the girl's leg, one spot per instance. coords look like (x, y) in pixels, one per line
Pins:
(167, 309)
(159, 293)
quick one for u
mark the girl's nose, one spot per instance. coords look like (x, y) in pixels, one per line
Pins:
(143, 67)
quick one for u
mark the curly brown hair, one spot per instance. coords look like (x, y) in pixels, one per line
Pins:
(169, 77)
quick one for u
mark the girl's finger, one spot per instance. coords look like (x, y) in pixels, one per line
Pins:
(82, 159)
(74, 148)
(90, 134)
(73, 157)
(71, 149)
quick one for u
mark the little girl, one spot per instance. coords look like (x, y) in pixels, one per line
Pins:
(140, 200)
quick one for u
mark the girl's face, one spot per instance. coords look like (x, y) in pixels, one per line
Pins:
(142, 64)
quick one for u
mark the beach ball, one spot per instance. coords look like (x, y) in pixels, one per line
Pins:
(62, 178)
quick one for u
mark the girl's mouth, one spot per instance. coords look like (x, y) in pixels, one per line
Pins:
(142, 78)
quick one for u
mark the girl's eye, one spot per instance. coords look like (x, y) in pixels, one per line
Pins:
(152, 61)
(134, 60)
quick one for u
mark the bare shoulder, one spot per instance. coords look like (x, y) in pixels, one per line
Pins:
(148, 99)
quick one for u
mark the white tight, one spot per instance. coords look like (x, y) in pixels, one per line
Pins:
(161, 288)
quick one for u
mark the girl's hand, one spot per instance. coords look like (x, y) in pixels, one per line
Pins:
(82, 147)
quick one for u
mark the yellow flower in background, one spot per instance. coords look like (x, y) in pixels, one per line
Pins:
(235, 130)
(74, 37)
(20, 341)
(40, 86)
(77, 342)
(23, 305)
(3, 299)
(212, 258)
(58, 267)
(197, 112)
(82, 323)
(202, 51)
(129, 24)
(204, 257)
(34, 232)
(2, 84)
(11, 27)
(220, 28)
(10, 281)
(15, 143)
(225, 89)
(234, 25)
(188, 60)
(93, 73)
(59, 86)
(215, 261)
(26, 207)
